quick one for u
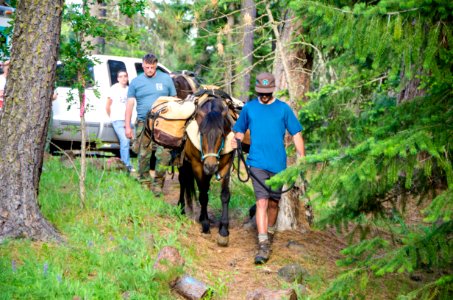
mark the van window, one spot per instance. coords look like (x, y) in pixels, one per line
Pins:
(65, 79)
(114, 67)
(139, 68)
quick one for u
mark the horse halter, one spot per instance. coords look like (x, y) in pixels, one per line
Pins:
(216, 155)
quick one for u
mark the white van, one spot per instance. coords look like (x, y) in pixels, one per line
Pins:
(66, 117)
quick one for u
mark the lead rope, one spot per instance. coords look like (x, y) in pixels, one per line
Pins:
(240, 155)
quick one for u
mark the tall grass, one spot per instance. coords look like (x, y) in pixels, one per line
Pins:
(110, 247)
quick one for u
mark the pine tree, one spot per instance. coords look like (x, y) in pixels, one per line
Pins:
(380, 135)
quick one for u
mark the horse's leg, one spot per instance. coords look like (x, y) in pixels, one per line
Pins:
(223, 238)
(186, 186)
(182, 183)
(203, 187)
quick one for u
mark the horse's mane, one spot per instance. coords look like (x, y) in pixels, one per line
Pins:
(213, 118)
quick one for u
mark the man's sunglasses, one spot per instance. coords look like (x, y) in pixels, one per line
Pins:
(268, 95)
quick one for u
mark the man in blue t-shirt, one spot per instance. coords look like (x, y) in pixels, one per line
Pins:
(144, 90)
(268, 120)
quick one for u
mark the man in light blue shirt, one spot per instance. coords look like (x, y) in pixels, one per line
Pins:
(268, 120)
(144, 90)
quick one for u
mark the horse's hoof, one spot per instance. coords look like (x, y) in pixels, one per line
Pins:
(206, 235)
(222, 241)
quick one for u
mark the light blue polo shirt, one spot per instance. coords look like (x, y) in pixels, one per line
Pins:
(147, 89)
(268, 124)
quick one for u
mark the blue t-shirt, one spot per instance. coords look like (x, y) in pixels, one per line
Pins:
(147, 89)
(268, 124)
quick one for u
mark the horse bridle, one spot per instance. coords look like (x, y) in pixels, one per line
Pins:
(216, 155)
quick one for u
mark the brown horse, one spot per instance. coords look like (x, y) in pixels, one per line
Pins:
(214, 126)
(186, 84)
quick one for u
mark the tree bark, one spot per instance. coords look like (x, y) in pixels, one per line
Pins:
(248, 19)
(292, 70)
(229, 55)
(25, 118)
(98, 10)
(292, 65)
(411, 90)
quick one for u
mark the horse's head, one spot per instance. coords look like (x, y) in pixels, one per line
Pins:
(185, 84)
(214, 126)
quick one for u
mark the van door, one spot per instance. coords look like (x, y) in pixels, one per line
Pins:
(107, 133)
(66, 109)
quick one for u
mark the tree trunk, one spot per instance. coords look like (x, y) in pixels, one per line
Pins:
(83, 146)
(411, 90)
(25, 118)
(248, 19)
(98, 10)
(292, 67)
(229, 54)
(292, 70)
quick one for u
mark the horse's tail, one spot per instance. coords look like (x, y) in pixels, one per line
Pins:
(187, 182)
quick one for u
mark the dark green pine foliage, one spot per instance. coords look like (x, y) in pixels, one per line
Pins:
(380, 138)
(210, 21)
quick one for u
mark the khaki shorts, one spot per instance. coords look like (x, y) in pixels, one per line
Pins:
(260, 191)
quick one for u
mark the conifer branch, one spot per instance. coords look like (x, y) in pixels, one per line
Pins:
(360, 13)
(223, 16)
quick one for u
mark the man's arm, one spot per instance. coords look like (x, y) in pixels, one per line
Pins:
(299, 144)
(108, 105)
(127, 118)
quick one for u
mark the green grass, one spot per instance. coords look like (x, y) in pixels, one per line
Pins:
(110, 247)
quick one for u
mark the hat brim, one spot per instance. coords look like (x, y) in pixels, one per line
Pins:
(265, 90)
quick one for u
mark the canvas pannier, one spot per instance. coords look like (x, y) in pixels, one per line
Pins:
(167, 119)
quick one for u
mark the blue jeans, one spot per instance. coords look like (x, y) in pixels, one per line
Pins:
(120, 131)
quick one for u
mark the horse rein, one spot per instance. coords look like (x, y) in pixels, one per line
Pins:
(240, 155)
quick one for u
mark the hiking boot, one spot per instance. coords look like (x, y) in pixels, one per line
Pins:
(270, 236)
(264, 251)
(158, 186)
(157, 190)
(146, 184)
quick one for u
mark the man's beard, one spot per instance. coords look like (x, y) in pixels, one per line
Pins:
(268, 99)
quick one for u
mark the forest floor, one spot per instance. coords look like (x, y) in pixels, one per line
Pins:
(233, 266)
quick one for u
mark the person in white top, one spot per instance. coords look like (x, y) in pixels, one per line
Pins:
(116, 109)
(3, 82)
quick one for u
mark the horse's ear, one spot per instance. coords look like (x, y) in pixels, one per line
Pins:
(225, 109)
(200, 115)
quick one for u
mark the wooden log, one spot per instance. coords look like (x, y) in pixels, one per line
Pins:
(190, 288)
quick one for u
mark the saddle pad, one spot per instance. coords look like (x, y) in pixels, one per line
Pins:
(194, 135)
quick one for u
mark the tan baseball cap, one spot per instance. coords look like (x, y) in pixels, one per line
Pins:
(265, 83)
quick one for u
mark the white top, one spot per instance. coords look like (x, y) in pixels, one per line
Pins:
(2, 82)
(118, 94)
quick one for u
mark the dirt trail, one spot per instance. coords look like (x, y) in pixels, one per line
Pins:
(232, 267)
